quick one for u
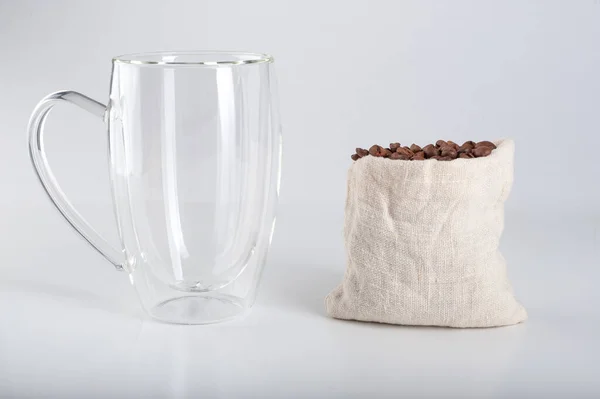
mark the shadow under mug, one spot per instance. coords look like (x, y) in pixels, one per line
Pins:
(195, 154)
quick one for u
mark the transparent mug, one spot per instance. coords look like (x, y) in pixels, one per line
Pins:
(195, 154)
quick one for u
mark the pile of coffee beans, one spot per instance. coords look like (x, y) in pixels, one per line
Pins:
(441, 150)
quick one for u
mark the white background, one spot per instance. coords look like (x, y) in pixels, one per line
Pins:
(351, 73)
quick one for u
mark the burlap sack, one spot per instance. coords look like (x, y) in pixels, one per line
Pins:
(422, 241)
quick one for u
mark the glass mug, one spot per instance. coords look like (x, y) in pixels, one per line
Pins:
(195, 154)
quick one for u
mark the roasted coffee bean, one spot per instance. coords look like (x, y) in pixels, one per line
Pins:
(429, 150)
(415, 148)
(464, 149)
(374, 150)
(453, 144)
(448, 151)
(404, 151)
(419, 156)
(482, 151)
(379, 151)
(362, 152)
(402, 157)
(486, 144)
(441, 151)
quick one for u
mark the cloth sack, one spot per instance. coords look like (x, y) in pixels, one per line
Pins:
(422, 240)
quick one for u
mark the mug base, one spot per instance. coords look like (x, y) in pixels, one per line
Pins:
(198, 309)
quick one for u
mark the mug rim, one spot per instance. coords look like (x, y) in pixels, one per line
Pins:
(198, 58)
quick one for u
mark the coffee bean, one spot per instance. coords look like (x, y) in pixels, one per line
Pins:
(441, 151)
(482, 151)
(404, 151)
(486, 144)
(415, 148)
(379, 151)
(385, 152)
(429, 150)
(374, 150)
(362, 152)
(453, 144)
(419, 156)
(448, 151)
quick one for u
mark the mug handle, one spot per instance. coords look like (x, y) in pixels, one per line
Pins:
(47, 179)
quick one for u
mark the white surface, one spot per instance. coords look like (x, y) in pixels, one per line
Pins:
(351, 73)
(72, 327)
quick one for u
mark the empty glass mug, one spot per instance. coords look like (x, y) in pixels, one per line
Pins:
(195, 153)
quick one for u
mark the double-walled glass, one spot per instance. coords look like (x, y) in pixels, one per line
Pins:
(195, 152)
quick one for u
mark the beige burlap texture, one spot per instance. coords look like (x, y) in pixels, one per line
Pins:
(422, 242)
